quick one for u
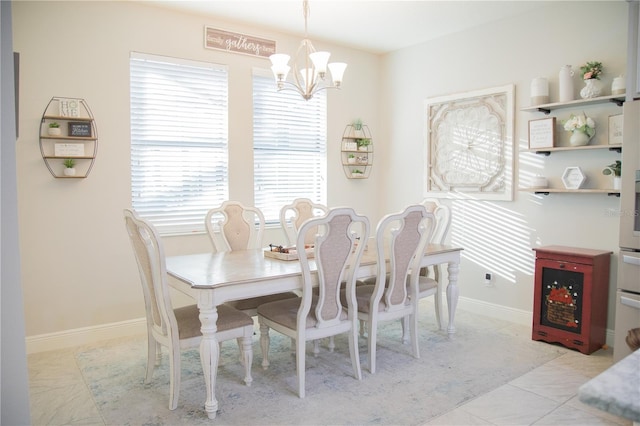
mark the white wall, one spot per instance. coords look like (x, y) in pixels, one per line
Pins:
(14, 388)
(498, 236)
(77, 264)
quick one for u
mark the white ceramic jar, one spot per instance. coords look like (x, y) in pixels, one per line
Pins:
(539, 91)
(618, 87)
(539, 182)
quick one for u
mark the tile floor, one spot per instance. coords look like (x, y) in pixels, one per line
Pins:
(544, 396)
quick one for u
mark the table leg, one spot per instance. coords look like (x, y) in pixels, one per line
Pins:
(209, 350)
(452, 294)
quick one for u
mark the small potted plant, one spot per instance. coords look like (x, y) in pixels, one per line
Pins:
(363, 143)
(54, 129)
(357, 127)
(615, 170)
(351, 159)
(357, 173)
(69, 167)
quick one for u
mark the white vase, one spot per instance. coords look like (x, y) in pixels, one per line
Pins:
(54, 131)
(579, 138)
(617, 182)
(565, 83)
(69, 171)
(592, 89)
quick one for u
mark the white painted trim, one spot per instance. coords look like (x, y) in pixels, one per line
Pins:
(85, 335)
(506, 313)
(492, 310)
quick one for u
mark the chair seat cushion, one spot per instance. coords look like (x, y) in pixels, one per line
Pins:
(426, 284)
(189, 321)
(285, 312)
(363, 297)
(253, 302)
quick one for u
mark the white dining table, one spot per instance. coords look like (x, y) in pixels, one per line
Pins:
(214, 278)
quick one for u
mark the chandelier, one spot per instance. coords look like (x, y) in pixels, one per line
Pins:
(311, 78)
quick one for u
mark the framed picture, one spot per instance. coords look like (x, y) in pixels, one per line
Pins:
(615, 129)
(541, 133)
(469, 145)
(79, 129)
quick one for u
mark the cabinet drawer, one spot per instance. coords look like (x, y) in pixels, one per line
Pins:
(629, 271)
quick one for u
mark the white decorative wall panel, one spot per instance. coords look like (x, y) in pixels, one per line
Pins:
(469, 140)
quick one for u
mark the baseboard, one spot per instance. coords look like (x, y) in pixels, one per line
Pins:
(85, 335)
(506, 313)
(492, 310)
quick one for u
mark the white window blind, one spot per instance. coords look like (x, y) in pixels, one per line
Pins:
(179, 140)
(289, 146)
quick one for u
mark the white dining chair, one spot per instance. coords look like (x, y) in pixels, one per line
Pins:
(401, 239)
(430, 282)
(234, 226)
(316, 315)
(293, 215)
(178, 328)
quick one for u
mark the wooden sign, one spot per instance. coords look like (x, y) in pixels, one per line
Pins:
(69, 150)
(79, 129)
(238, 43)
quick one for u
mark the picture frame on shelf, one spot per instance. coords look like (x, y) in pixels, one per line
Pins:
(79, 129)
(542, 133)
(615, 129)
(573, 177)
(69, 150)
(350, 146)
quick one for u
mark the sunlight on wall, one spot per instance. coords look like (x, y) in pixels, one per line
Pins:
(495, 238)
(531, 165)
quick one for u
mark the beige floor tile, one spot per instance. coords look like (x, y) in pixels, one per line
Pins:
(556, 382)
(58, 394)
(510, 405)
(567, 416)
(457, 417)
(589, 365)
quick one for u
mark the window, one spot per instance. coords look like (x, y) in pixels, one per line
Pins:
(179, 154)
(289, 146)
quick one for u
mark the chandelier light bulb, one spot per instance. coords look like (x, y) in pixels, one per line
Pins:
(337, 72)
(320, 60)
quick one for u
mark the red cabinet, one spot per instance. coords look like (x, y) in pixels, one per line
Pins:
(571, 296)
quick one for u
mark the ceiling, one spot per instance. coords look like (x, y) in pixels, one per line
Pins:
(376, 26)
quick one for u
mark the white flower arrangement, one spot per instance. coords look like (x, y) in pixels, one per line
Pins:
(580, 123)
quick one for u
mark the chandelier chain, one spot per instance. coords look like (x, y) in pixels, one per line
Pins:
(305, 12)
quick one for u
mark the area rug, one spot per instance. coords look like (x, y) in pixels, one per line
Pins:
(483, 354)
